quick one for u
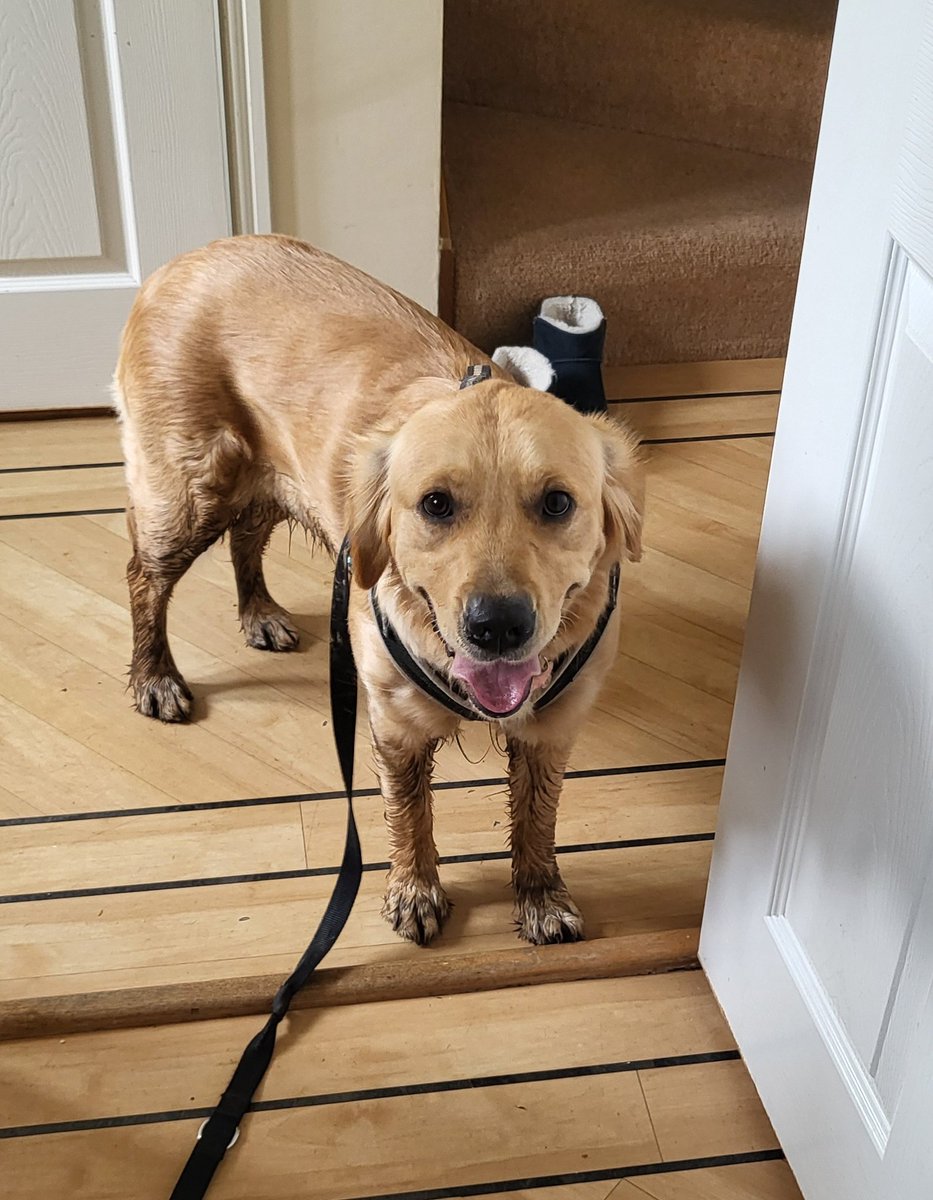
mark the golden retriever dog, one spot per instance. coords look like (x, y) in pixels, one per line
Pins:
(261, 380)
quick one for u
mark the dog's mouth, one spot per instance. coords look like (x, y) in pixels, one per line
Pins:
(499, 687)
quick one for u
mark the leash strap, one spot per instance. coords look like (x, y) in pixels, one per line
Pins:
(221, 1129)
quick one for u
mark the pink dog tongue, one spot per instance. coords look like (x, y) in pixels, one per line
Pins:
(499, 687)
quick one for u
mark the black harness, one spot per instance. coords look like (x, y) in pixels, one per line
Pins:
(222, 1128)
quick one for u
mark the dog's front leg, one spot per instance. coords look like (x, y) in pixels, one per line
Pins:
(544, 910)
(416, 905)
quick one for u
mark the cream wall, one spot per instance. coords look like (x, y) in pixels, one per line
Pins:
(353, 104)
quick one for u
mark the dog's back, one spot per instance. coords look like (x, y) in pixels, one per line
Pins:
(254, 350)
(247, 370)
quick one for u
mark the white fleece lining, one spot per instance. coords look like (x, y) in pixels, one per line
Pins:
(575, 314)
(527, 366)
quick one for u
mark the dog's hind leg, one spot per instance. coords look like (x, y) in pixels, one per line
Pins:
(544, 910)
(266, 625)
(182, 497)
(158, 562)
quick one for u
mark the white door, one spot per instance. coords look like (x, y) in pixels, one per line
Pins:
(818, 935)
(112, 160)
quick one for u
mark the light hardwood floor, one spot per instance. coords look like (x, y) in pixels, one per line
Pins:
(132, 853)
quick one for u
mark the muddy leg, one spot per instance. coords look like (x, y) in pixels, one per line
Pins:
(544, 910)
(415, 903)
(267, 625)
(158, 688)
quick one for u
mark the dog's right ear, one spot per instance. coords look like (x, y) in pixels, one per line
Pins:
(367, 509)
(623, 488)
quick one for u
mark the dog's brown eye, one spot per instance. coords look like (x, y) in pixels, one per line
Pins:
(557, 504)
(438, 506)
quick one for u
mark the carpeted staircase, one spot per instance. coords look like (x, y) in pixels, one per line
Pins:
(655, 154)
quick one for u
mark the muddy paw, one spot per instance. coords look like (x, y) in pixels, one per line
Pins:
(415, 911)
(548, 915)
(164, 697)
(271, 629)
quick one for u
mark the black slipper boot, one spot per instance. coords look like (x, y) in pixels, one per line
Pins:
(571, 332)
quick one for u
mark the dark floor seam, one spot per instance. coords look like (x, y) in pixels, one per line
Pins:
(383, 1093)
(733, 395)
(443, 785)
(74, 512)
(94, 466)
(170, 885)
(717, 437)
(710, 437)
(578, 1177)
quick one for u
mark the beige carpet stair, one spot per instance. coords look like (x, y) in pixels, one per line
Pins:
(655, 154)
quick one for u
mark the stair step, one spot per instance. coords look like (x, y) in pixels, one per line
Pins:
(691, 250)
(746, 74)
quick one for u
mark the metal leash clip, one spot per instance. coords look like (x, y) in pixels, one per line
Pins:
(233, 1141)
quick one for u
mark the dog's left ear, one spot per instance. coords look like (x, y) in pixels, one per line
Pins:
(367, 508)
(623, 489)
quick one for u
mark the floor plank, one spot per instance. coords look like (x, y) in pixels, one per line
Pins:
(702, 417)
(340, 1151)
(730, 501)
(62, 491)
(740, 460)
(753, 1181)
(694, 379)
(64, 440)
(730, 1102)
(691, 535)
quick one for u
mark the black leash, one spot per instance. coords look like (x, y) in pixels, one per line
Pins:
(221, 1129)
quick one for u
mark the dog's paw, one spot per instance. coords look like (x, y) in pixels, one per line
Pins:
(415, 911)
(270, 629)
(547, 915)
(164, 697)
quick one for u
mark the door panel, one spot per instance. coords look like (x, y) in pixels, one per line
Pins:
(859, 838)
(818, 935)
(113, 152)
(51, 211)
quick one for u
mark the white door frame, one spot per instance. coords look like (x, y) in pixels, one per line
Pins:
(240, 28)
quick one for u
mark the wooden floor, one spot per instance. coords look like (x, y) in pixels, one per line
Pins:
(136, 854)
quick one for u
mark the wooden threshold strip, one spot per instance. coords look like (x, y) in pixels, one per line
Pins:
(430, 975)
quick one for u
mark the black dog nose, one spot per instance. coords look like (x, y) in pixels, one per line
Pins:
(498, 623)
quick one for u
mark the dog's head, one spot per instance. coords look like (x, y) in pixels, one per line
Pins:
(494, 506)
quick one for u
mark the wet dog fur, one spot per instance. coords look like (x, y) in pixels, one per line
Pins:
(261, 380)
